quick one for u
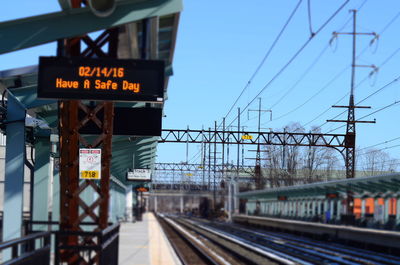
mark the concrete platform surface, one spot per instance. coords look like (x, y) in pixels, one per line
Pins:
(144, 243)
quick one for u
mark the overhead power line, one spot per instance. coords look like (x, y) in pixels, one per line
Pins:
(261, 63)
(379, 110)
(367, 97)
(265, 56)
(306, 72)
(362, 52)
(385, 142)
(381, 149)
(318, 57)
(297, 53)
(313, 96)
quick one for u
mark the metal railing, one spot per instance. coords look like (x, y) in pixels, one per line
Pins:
(30, 249)
(92, 247)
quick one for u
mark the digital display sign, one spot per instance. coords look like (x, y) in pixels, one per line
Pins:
(128, 121)
(101, 79)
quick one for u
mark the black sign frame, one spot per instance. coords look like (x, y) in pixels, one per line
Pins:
(101, 79)
(129, 121)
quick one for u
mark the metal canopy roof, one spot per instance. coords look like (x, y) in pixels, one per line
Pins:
(359, 186)
(128, 152)
(37, 30)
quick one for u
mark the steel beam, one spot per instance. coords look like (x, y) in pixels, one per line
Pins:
(14, 171)
(55, 215)
(28, 96)
(32, 31)
(41, 178)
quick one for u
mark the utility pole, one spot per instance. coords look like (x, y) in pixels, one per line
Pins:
(223, 180)
(350, 138)
(284, 151)
(187, 146)
(235, 182)
(238, 146)
(223, 147)
(215, 163)
(203, 155)
(257, 169)
(209, 160)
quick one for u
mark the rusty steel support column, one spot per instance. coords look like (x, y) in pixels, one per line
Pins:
(73, 115)
(106, 163)
(69, 181)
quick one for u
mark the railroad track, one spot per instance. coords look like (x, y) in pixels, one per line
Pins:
(185, 247)
(335, 249)
(194, 245)
(262, 247)
(306, 251)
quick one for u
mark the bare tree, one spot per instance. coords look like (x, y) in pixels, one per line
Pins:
(292, 158)
(314, 159)
(375, 162)
(274, 165)
(293, 165)
(331, 162)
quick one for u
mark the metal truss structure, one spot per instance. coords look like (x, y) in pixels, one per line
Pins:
(337, 141)
(185, 182)
(197, 177)
(195, 180)
(201, 167)
(74, 210)
(340, 142)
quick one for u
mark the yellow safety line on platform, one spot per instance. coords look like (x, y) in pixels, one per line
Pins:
(160, 251)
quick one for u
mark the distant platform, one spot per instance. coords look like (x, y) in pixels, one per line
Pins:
(144, 243)
(385, 238)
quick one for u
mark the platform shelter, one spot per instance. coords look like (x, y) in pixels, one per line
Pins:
(375, 201)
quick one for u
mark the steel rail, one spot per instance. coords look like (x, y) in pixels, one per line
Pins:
(181, 252)
(317, 253)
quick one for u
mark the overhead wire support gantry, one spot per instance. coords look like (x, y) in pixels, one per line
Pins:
(200, 167)
(336, 141)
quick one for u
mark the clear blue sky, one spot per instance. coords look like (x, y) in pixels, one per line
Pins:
(221, 43)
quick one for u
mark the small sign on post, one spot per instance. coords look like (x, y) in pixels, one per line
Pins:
(89, 163)
(139, 174)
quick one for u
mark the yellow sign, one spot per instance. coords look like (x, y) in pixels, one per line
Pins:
(90, 163)
(90, 174)
(247, 137)
(189, 174)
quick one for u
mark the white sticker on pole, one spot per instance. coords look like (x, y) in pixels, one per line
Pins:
(89, 163)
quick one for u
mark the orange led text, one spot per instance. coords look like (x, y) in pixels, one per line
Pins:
(135, 87)
(105, 85)
(87, 71)
(60, 83)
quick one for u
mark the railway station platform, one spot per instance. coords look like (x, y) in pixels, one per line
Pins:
(374, 202)
(343, 233)
(144, 243)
